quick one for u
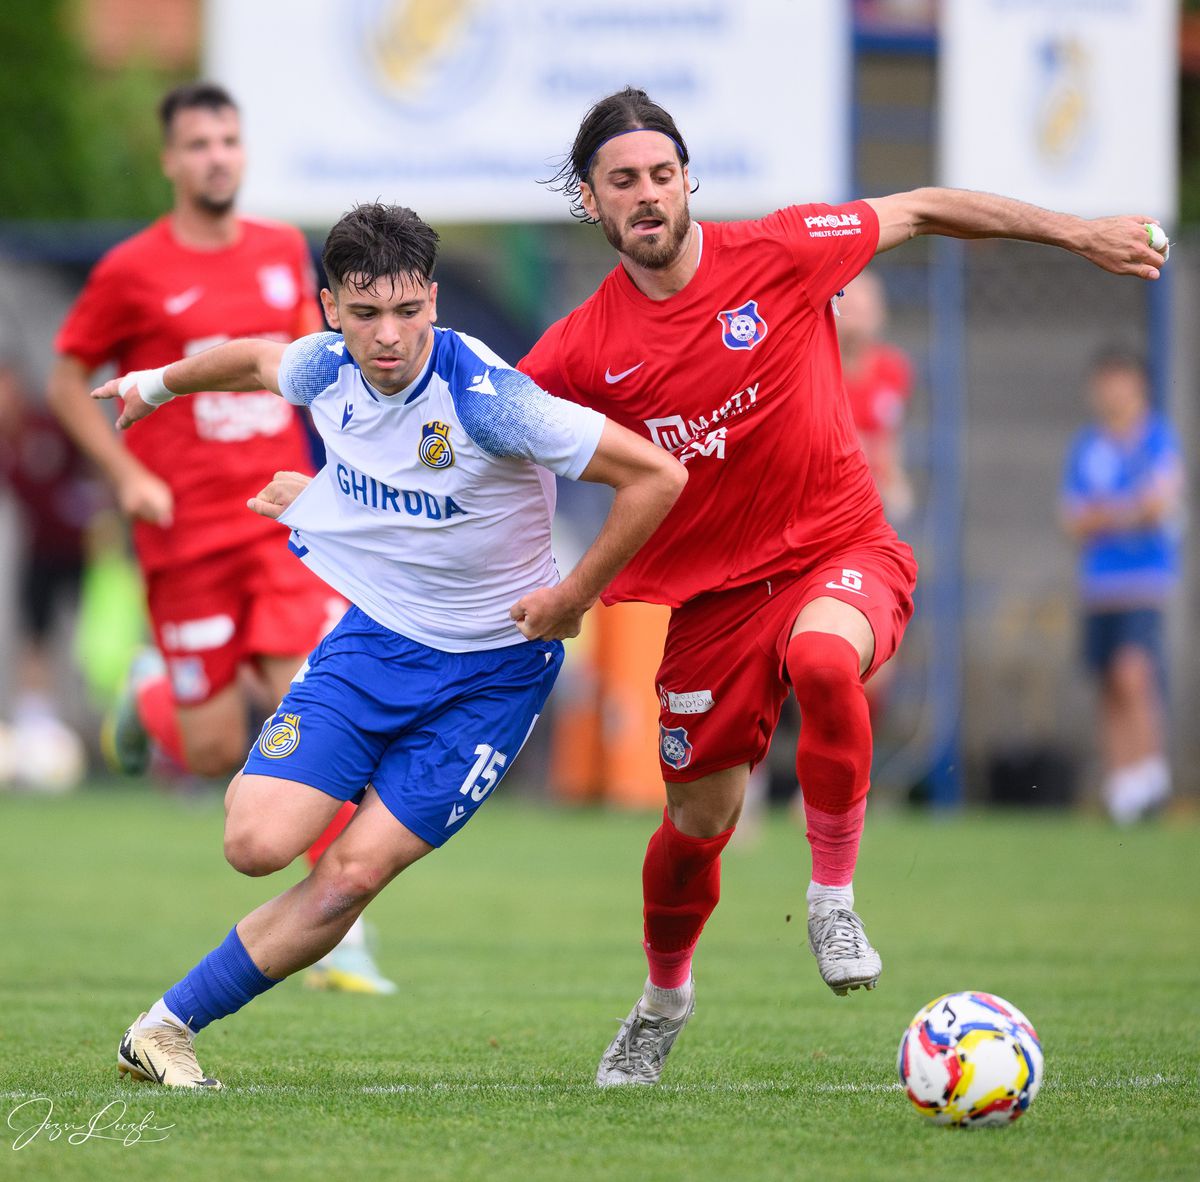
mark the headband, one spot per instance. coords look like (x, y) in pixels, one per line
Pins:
(629, 131)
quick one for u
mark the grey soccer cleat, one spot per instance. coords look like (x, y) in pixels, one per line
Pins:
(637, 1054)
(844, 955)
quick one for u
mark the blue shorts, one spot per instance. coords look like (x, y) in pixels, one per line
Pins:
(1104, 632)
(434, 732)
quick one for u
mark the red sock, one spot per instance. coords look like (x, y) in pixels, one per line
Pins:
(156, 709)
(833, 757)
(681, 883)
(340, 820)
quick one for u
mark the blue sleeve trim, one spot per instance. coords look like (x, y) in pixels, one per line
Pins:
(310, 366)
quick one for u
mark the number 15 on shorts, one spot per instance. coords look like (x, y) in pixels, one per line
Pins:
(485, 773)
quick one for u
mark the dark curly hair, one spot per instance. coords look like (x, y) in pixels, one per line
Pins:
(207, 96)
(630, 109)
(375, 241)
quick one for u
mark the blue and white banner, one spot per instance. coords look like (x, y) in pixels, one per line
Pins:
(1070, 104)
(459, 107)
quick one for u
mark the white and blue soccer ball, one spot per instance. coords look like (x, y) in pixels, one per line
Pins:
(970, 1059)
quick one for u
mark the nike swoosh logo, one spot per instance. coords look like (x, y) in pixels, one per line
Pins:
(183, 301)
(612, 378)
(154, 1071)
(843, 587)
(347, 415)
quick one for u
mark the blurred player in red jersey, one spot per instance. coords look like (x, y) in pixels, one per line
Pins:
(718, 341)
(228, 603)
(878, 379)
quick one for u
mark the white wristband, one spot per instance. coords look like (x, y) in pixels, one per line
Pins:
(151, 388)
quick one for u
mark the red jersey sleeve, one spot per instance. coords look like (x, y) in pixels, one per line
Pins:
(830, 244)
(542, 363)
(103, 318)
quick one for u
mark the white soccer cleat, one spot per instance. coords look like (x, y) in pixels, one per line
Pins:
(637, 1054)
(162, 1055)
(844, 955)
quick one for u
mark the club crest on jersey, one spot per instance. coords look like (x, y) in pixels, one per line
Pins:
(673, 746)
(742, 328)
(278, 286)
(280, 737)
(435, 450)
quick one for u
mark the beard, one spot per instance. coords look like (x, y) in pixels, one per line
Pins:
(217, 206)
(656, 252)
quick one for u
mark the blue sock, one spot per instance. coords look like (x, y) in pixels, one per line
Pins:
(218, 986)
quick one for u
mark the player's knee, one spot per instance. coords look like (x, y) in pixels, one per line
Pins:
(347, 883)
(824, 672)
(254, 853)
(1132, 672)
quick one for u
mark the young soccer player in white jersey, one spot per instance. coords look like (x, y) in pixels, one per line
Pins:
(432, 516)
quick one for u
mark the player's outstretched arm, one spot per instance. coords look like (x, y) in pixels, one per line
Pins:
(1117, 244)
(648, 482)
(235, 365)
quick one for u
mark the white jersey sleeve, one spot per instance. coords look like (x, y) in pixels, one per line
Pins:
(310, 365)
(511, 417)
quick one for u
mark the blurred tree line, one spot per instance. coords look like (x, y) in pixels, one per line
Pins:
(78, 141)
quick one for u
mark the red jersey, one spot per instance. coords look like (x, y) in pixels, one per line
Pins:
(738, 375)
(152, 300)
(878, 390)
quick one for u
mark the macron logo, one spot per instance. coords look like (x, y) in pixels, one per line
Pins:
(482, 385)
(183, 301)
(347, 414)
(338, 347)
(456, 814)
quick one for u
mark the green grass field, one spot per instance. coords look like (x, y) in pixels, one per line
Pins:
(517, 950)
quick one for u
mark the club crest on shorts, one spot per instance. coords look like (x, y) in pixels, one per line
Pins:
(673, 746)
(742, 328)
(280, 737)
(435, 450)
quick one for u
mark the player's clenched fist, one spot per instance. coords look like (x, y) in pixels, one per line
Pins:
(547, 614)
(279, 494)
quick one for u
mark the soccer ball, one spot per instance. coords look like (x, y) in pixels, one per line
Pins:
(970, 1059)
(743, 328)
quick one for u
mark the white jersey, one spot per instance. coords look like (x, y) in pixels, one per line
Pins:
(432, 512)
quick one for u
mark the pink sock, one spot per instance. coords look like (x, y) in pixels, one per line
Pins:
(834, 839)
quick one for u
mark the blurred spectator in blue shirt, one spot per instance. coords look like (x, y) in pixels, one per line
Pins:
(1121, 502)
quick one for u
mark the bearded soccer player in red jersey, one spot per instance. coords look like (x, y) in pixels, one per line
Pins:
(223, 590)
(717, 341)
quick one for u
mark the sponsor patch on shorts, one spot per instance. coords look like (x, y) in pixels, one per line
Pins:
(692, 702)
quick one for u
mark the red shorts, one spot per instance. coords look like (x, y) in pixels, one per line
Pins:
(722, 681)
(212, 614)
